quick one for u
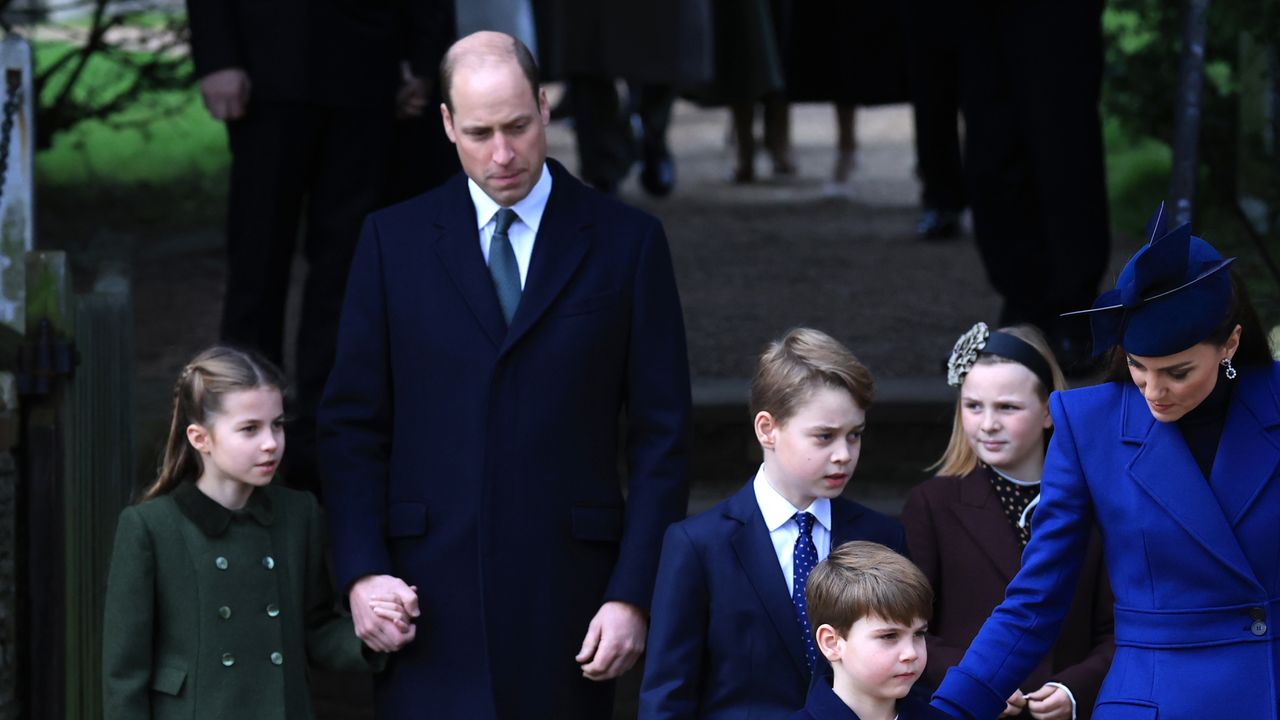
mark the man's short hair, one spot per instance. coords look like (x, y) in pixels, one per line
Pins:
(864, 578)
(518, 51)
(804, 359)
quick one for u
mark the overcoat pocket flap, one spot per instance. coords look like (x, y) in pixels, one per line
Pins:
(1126, 710)
(168, 680)
(406, 519)
(597, 523)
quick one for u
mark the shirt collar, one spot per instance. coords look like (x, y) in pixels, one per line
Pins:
(214, 519)
(777, 510)
(529, 209)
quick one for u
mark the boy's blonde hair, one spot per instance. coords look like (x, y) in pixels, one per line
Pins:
(863, 578)
(791, 368)
(959, 459)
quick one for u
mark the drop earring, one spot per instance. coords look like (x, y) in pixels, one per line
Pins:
(1230, 371)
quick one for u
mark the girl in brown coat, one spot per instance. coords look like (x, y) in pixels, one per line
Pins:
(967, 527)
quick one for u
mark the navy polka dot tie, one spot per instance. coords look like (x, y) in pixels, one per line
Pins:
(803, 559)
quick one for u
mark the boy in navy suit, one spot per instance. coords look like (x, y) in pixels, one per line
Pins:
(869, 607)
(729, 636)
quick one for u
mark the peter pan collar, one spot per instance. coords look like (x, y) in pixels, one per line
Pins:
(214, 519)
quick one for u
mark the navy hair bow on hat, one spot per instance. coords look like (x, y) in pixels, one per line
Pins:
(1171, 295)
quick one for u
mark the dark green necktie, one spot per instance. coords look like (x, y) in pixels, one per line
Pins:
(502, 264)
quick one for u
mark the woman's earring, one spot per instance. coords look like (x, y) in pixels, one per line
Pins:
(1231, 372)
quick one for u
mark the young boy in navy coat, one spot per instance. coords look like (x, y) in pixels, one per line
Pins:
(869, 607)
(728, 634)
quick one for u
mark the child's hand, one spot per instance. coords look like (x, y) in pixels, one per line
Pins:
(1050, 702)
(375, 630)
(389, 607)
(1015, 703)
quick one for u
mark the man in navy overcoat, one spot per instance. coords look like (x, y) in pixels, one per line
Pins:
(474, 456)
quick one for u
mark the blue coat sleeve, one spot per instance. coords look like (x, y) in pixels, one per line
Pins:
(672, 685)
(657, 407)
(1024, 627)
(354, 422)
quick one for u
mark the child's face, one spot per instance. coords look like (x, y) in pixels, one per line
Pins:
(1004, 418)
(244, 442)
(878, 659)
(814, 452)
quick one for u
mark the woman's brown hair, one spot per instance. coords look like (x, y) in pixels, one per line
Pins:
(202, 385)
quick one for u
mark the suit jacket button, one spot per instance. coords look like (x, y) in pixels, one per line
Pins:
(276, 658)
(1258, 628)
(220, 562)
(228, 659)
(268, 562)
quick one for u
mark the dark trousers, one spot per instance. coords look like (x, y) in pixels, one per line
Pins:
(295, 163)
(1030, 86)
(606, 144)
(934, 48)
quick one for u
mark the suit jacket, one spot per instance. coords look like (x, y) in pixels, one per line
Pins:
(960, 537)
(198, 626)
(1196, 573)
(724, 641)
(480, 462)
(823, 704)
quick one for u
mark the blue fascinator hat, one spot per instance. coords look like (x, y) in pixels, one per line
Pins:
(1171, 295)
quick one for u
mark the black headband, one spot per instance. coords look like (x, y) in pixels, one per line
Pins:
(1020, 351)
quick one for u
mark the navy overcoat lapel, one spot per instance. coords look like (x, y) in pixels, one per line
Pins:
(755, 553)
(561, 244)
(1240, 471)
(457, 243)
(980, 514)
(1165, 469)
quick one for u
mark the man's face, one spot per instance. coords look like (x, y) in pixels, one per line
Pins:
(499, 129)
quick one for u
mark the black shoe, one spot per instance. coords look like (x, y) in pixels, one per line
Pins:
(938, 225)
(658, 176)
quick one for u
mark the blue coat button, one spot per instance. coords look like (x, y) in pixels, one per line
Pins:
(1258, 628)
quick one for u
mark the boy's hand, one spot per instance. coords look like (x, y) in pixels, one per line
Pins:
(1015, 703)
(380, 634)
(614, 641)
(1050, 703)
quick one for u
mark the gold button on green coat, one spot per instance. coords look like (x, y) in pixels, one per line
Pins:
(272, 610)
(224, 612)
(228, 659)
(276, 658)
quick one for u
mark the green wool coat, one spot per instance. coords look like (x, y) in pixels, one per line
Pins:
(213, 613)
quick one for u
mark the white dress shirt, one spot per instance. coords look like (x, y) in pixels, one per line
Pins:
(784, 530)
(524, 230)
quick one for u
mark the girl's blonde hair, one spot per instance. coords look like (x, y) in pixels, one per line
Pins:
(959, 458)
(198, 394)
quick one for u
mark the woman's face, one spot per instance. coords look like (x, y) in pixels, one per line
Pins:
(1174, 385)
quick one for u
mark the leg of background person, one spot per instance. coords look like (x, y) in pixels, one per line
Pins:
(1059, 83)
(652, 104)
(777, 133)
(935, 79)
(998, 168)
(346, 186)
(744, 135)
(605, 145)
(846, 141)
(269, 152)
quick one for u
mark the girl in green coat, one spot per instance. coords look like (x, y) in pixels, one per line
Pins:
(218, 595)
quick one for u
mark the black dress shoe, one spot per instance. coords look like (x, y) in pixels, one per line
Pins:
(938, 225)
(658, 176)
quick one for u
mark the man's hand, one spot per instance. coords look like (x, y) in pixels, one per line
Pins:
(411, 98)
(226, 93)
(1013, 706)
(614, 641)
(1050, 703)
(379, 633)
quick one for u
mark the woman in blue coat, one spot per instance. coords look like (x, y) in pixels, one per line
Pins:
(1177, 459)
